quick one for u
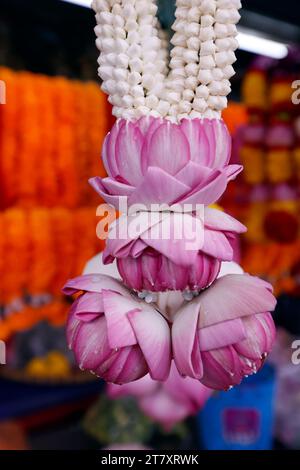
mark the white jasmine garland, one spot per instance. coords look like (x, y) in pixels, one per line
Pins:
(133, 62)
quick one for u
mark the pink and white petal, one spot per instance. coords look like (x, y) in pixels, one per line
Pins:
(138, 248)
(117, 188)
(171, 275)
(116, 308)
(217, 245)
(110, 369)
(220, 142)
(94, 283)
(194, 174)
(209, 193)
(157, 187)
(198, 141)
(89, 306)
(156, 123)
(109, 150)
(124, 232)
(222, 368)
(179, 237)
(268, 323)
(163, 409)
(128, 153)
(130, 270)
(73, 325)
(260, 337)
(234, 296)
(219, 220)
(232, 171)
(230, 267)
(168, 148)
(134, 368)
(150, 267)
(153, 336)
(222, 334)
(146, 122)
(91, 346)
(185, 341)
(97, 185)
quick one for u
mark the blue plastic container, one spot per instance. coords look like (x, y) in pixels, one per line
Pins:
(242, 418)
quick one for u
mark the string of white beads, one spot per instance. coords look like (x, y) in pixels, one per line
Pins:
(131, 64)
(134, 55)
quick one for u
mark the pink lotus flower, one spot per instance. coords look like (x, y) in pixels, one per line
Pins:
(113, 334)
(192, 261)
(225, 333)
(155, 161)
(166, 402)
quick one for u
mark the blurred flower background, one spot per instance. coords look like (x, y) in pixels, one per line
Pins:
(53, 119)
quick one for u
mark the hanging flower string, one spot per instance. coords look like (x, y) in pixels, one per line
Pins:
(169, 146)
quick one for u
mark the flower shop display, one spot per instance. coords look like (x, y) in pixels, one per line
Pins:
(52, 129)
(51, 133)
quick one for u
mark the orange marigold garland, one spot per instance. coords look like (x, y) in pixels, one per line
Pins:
(42, 256)
(10, 119)
(65, 251)
(68, 178)
(47, 181)
(98, 123)
(28, 153)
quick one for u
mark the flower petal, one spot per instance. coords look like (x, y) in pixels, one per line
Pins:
(232, 171)
(128, 153)
(222, 368)
(221, 335)
(97, 184)
(134, 368)
(217, 245)
(194, 174)
(219, 220)
(260, 337)
(185, 341)
(94, 283)
(89, 306)
(209, 193)
(116, 308)
(179, 237)
(168, 148)
(109, 150)
(153, 335)
(91, 346)
(157, 187)
(234, 296)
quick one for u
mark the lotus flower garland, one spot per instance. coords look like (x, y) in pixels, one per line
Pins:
(153, 161)
(167, 157)
(219, 337)
(114, 335)
(226, 332)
